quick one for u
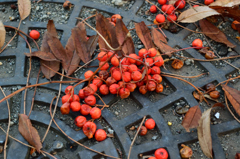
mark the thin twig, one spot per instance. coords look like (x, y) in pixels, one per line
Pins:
(85, 64)
(228, 80)
(223, 58)
(230, 109)
(184, 76)
(9, 120)
(139, 128)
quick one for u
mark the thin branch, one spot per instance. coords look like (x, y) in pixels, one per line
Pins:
(228, 80)
(223, 58)
(184, 76)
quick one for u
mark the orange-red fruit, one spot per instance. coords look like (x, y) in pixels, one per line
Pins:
(149, 70)
(104, 89)
(114, 61)
(75, 98)
(88, 74)
(155, 70)
(207, 2)
(150, 123)
(142, 52)
(95, 113)
(85, 109)
(117, 75)
(138, 62)
(197, 43)
(75, 106)
(161, 153)
(214, 94)
(234, 24)
(68, 89)
(136, 75)
(170, 8)
(110, 81)
(81, 94)
(133, 56)
(80, 121)
(180, 4)
(124, 93)
(140, 83)
(158, 61)
(160, 18)
(65, 108)
(143, 89)
(104, 67)
(171, 18)
(89, 90)
(162, 2)
(177, 64)
(100, 135)
(149, 61)
(65, 98)
(157, 78)
(124, 68)
(159, 88)
(115, 17)
(114, 88)
(34, 34)
(131, 86)
(164, 7)
(89, 129)
(97, 81)
(152, 52)
(151, 86)
(143, 131)
(102, 56)
(103, 74)
(90, 100)
(132, 68)
(120, 83)
(126, 76)
(153, 9)
(109, 54)
(125, 62)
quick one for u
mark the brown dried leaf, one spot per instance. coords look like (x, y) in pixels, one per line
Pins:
(3, 34)
(24, 8)
(233, 12)
(195, 14)
(233, 96)
(225, 3)
(144, 34)
(159, 35)
(204, 133)
(46, 56)
(121, 32)
(172, 2)
(192, 118)
(92, 44)
(29, 132)
(220, 37)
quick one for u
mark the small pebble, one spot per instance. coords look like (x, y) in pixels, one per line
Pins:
(169, 123)
(1, 63)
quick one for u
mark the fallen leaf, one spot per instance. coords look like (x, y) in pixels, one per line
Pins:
(233, 12)
(159, 35)
(29, 132)
(192, 118)
(219, 105)
(195, 14)
(92, 44)
(237, 156)
(46, 56)
(144, 35)
(121, 32)
(204, 133)
(172, 2)
(24, 8)
(3, 34)
(233, 96)
(219, 36)
(225, 3)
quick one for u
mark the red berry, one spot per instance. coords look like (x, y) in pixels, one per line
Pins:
(159, 88)
(150, 124)
(75, 106)
(143, 131)
(161, 153)
(75, 98)
(125, 62)
(149, 70)
(140, 83)
(104, 67)
(95, 113)
(132, 68)
(68, 89)
(142, 52)
(90, 100)
(81, 94)
(164, 7)
(90, 90)
(124, 68)
(124, 93)
(114, 61)
(153, 9)
(149, 61)
(103, 74)
(65, 108)
(66, 98)
(34, 34)
(152, 52)
(97, 81)
(80, 121)
(133, 56)
(114, 88)
(143, 89)
(138, 62)
(160, 18)
(117, 75)
(100, 135)
(85, 109)
(157, 78)
(162, 2)
(109, 54)
(158, 61)
(207, 2)
(102, 56)
(170, 9)
(131, 86)
(126, 76)
(110, 81)
(155, 70)
(136, 75)
(88, 74)
(151, 86)
(104, 89)
(115, 17)
(171, 18)
(147, 76)
(197, 43)
(89, 129)
(180, 4)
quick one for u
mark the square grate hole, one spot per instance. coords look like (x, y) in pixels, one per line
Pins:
(7, 66)
(151, 135)
(9, 34)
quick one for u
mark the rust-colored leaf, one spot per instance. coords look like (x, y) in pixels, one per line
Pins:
(144, 35)
(225, 3)
(204, 133)
(159, 35)
(233, 96)
(3, 34)
(122, 31)
(24, 8)
(233, 12)
(29, 132)
(46, 56)
(220, 37)
(92, 44)
(192, 118)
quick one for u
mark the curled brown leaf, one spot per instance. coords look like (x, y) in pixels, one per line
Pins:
(24, 8)
(192, 118)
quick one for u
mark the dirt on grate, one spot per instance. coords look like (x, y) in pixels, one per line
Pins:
(8, 14)
(7, 67)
